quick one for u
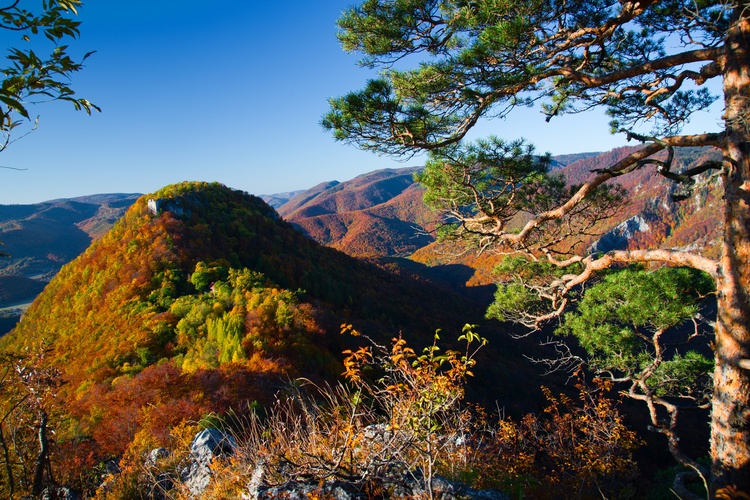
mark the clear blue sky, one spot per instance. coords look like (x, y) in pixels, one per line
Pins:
(230, 91)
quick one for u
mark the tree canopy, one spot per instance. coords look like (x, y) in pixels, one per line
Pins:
(485, 58)
(29, 76)
(446, 64)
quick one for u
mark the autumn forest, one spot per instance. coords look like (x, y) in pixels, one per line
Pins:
(496, 323)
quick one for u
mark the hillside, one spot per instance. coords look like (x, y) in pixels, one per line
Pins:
(40, 238)
(200, 299)
(376, 214)
(647, 219)
(651, 215)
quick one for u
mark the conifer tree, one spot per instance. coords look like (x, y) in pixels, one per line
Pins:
(647, 62)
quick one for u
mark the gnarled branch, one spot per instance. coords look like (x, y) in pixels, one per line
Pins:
(626, 165)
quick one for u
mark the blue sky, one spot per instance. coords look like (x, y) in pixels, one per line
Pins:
(230, 91)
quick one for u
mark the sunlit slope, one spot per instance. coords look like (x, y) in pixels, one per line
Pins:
(375, 214)
(124, 303)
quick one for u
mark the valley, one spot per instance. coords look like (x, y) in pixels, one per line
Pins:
(201, 301)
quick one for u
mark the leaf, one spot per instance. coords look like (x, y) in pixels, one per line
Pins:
(15, 105)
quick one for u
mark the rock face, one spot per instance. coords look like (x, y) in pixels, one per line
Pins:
(59, 493)
(207, 444)
(620, 235)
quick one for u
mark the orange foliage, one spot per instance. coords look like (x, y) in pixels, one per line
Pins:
(582, 447)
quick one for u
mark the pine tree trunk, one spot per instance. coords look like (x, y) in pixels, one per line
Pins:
(730, 418)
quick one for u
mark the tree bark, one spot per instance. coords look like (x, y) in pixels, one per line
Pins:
(730, 417)
(42, 459)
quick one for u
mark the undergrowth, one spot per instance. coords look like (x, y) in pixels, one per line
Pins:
(400, 416)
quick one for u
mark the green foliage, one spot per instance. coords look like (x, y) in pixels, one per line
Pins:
(682, 375)
(521, 281)
(205, 275)
(485, 57)
(29, 78)
(490, 179)
(621, 321)
(497, 169)
(221, 345)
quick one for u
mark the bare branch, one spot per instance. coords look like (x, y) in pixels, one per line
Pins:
(614, 257)
(649, 67)
(564, 361)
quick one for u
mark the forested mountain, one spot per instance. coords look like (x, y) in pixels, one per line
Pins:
(40, 238)
(202, 299)
(381, 214)
(644, 220)
(648, 219)
(376, 214)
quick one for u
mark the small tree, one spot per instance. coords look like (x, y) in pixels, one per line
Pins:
(29, 79)
(626, 324)
(646, 62)
(28, 391)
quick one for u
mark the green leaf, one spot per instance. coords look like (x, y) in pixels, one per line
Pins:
(15, 105)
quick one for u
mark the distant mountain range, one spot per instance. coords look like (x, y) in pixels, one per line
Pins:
(381, 214)
(40, 238)
(375, 215)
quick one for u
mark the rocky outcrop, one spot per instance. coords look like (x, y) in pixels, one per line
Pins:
(397, 486)
(619, 236)
(193, 478)
(207, 445)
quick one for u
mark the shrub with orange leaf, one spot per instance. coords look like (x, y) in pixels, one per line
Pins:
(401, 416)
(578, 449)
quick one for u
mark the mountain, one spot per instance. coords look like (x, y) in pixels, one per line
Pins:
(201, 299)
(375, 214)
(648, 218)
(40, 238)
(560, 161)
(657, 213)
(379, 214)
(278, 199)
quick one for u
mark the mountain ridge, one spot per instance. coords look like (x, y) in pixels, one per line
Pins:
(204, 304)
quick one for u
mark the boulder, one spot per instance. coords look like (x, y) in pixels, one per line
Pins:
(207, 444)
